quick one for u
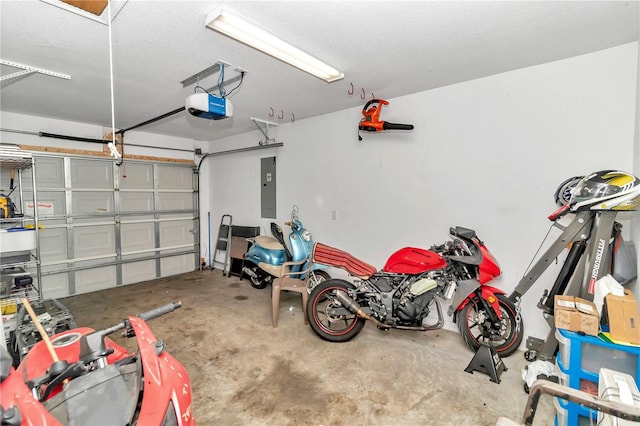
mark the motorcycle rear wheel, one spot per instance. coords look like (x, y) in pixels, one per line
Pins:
(330, 327)
(475, 327)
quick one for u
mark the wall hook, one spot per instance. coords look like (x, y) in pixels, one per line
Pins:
(271, 112)
(293, 117)
(362, 95)
(281, 116)
(351, 89)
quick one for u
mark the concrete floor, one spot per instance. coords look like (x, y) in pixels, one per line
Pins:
(245, 372)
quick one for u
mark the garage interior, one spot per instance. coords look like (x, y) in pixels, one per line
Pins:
(500, 103)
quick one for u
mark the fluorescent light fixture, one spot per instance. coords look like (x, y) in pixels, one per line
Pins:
(237, 27)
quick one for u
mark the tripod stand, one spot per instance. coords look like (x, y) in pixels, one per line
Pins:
(590, 235)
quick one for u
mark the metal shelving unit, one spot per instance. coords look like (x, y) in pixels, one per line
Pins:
(19, 239)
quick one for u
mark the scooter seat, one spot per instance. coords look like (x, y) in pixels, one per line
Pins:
(331, 256)
(268, 243)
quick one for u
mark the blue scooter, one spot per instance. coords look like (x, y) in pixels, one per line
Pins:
(267, 254)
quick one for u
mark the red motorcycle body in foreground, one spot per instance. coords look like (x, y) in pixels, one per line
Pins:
(97, 382)
(403, 293)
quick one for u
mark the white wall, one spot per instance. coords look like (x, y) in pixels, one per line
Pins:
(486, 154)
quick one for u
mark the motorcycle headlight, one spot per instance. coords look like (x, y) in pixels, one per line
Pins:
(170, 416)
(306, 235)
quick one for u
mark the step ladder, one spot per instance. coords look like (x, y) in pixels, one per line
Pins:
(222, 243)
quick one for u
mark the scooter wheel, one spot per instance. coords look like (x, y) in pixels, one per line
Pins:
(530, 355)
(258, 283)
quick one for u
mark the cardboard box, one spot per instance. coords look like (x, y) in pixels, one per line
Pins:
(621, 314)
(576, 314)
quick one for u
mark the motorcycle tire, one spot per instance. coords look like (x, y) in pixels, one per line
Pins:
(506, 342)
(340, 328)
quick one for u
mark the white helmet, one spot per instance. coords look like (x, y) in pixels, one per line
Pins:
(606, 190)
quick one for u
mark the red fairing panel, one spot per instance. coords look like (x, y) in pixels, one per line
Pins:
(13, 392)
(165, 379)
(489, 267)
(412, 260)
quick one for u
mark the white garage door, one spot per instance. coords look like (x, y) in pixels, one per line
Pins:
(106, 225)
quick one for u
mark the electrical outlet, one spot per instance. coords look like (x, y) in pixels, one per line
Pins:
(240, 70)
(225, 63)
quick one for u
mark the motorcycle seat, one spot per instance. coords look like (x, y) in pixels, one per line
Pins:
(268, 243)
(331, 256)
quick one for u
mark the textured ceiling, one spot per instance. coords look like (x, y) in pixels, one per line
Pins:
(385, 48)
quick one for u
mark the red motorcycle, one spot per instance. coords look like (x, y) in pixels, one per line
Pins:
(410, 287)
(97, 382)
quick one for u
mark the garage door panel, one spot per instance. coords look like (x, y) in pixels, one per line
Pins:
(138, 271)
(171, 177)
(136, 176)
(95, 279)
(137, 237)
(50, 203)
(108, 226)
(92, 202)
(177, 264)
(53, 244)
(91, 174)
(55, 286)
(176, 233)
(136, 201)
(175, 201)
(49, 173)
(5, 177)
(91, 241)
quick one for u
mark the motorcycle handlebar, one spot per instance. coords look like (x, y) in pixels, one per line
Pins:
(159, 311)
(146, 316)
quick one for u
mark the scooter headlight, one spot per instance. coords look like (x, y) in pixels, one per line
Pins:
(306, 235)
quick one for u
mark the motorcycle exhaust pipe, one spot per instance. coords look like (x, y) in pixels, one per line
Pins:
(249, 272)
(353, 306)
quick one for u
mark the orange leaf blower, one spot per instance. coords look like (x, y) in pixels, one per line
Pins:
(371, 120)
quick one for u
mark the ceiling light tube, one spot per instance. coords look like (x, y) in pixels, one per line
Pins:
(237, 27)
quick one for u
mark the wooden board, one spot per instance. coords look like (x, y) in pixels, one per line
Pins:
(92, 6)
(104, 153)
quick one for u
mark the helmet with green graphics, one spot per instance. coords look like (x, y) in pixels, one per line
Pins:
(606, 190)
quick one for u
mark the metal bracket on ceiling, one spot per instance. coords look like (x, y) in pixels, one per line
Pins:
(200, 75)
(197, 77)
(27, 69)
(263, 126)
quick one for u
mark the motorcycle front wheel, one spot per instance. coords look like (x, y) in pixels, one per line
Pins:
(327, 317)
(476, 327)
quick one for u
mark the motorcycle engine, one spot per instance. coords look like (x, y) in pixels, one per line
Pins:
(413, 309)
